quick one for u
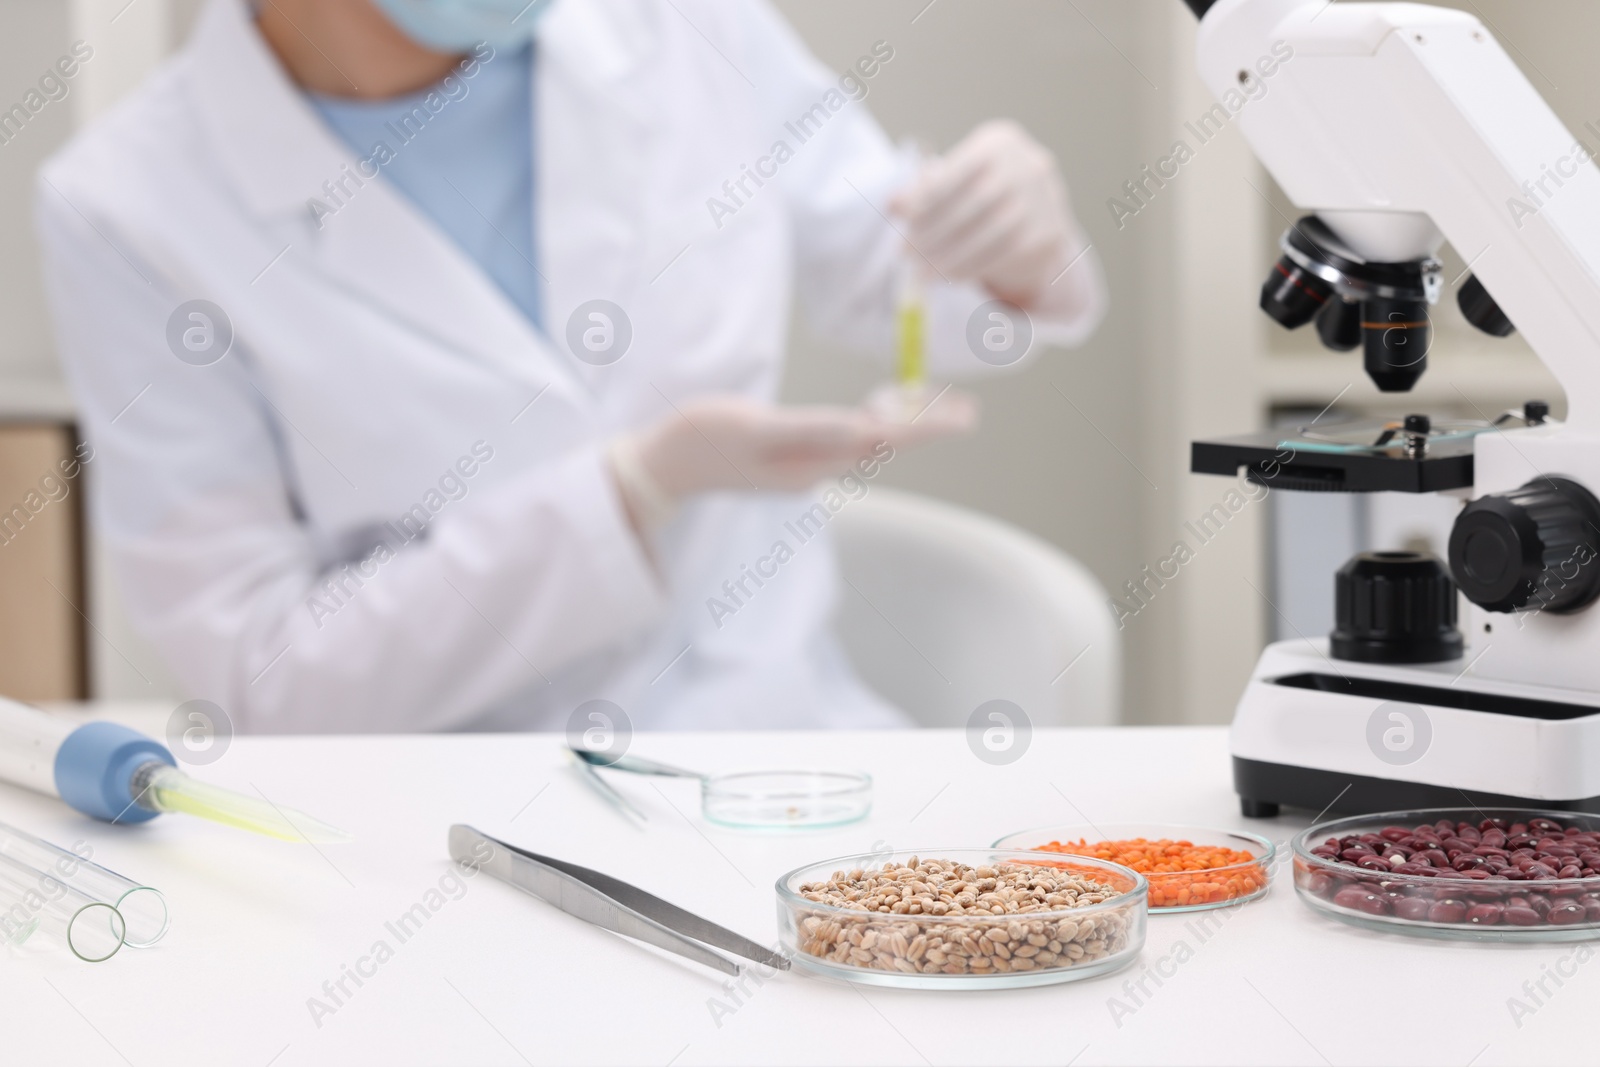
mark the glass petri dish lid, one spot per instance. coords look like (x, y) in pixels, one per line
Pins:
(1475, 874)
(786, 799)
(1246, 877)
(1041, 942)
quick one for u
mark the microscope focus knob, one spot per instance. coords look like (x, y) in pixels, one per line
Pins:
(1536, 545)
(1394, 607)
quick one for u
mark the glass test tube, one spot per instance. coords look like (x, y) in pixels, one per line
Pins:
(910, 324)
(143, 909)
(910, 311)
(32, 902)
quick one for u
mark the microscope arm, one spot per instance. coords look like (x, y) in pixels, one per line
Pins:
(1401, 125)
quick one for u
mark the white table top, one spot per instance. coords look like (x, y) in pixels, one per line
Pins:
(496, 977)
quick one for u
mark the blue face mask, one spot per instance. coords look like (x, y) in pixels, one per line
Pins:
(457, 25)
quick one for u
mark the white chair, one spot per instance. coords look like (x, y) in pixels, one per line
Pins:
(943, 609)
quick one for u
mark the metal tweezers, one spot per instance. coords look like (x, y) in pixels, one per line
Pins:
(608, 902)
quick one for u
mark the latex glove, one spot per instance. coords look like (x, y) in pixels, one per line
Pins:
(994, 210)
(732, 443)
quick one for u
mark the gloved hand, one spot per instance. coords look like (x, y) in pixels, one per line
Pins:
(994, 210)
(734, 443)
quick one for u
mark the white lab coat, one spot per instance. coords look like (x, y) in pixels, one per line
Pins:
(372, 357)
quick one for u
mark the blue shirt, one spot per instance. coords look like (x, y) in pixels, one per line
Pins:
(466, 161)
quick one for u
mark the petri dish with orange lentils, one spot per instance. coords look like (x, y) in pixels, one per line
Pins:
(1190, 868)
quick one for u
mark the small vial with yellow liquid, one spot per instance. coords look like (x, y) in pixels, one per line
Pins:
(910, 331)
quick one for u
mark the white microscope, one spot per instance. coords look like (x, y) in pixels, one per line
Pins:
(1396, 127)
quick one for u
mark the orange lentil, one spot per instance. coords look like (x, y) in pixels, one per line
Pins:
(1174, 868)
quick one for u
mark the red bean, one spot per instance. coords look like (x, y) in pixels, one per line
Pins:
(1521, 874)
(1485, 914)
(1416, 909)
(1567, 913)
(1359, 898)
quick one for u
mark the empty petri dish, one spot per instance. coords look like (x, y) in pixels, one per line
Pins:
(786, 800)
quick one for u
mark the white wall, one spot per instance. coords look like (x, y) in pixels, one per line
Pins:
(32, 37)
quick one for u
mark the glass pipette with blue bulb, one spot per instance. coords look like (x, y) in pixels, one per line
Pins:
(118, 775)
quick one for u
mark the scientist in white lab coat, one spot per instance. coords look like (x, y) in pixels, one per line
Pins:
(429, 351)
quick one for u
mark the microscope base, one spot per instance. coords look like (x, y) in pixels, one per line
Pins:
(1265, 787)
(1330, 735)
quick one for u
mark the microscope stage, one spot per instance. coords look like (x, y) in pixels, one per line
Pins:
(1287, 459)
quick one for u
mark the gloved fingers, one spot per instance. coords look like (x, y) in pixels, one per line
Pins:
(997, 146)
(739, 423)
(933, 414)
(911, 415)
(988, 246)
(941, 182)
(838, 450)
(935, 229)
(809, 430)
(734, 443)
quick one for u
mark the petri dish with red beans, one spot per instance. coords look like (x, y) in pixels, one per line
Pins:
(1476, 874)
